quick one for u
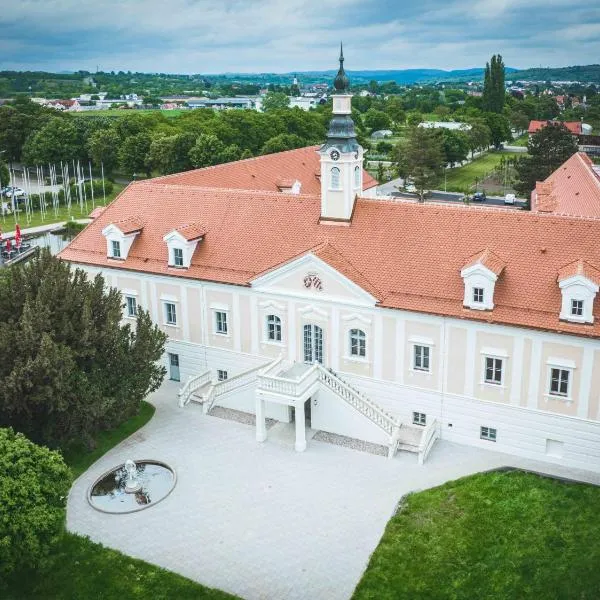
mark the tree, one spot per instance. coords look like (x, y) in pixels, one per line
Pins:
(499, 128)
(421, 159)
(479, 136)
(519, 120)
(395, 110)
(34, 484)
(282, 142)
(70, 368)
(103, 149)
(133, 154)
(56, 141)
(275, 101)
(4, 175)
(171, 154)
(493, 86)
(548, 149)
(376, 119)
(456, 145)
(413, 118)
(210, 150)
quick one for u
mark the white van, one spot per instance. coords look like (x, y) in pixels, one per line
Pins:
(509, 199)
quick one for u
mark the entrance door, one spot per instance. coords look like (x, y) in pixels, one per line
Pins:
(313, 344)
(174, 367)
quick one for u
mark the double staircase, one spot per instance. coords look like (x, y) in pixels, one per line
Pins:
(291, 383)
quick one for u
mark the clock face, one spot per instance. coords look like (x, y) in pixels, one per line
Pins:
(334, 155)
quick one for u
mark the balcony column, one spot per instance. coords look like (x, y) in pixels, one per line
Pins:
(261, 425)
(300, 427)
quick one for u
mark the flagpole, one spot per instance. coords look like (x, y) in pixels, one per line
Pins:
(103, 190)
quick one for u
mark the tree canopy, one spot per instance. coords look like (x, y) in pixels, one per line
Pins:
(493, 86)
(69, 367)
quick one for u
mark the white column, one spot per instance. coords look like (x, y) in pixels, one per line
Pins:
(300, 428)
(400, 349)
(585, 383)
(261, 425)
(535, 373)
(517, 371)
(377, 346)
(335, 339)
(237, 326)
(470, 360)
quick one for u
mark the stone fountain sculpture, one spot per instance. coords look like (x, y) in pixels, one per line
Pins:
(132, 484)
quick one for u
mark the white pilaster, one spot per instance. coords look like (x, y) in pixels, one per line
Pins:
(254, 324)
(516, 366)
(300, 427)
(400, 350)
(261, 425)
(185, 315)
(585, 384)
(291, 328)
(377, 345)
(470, 361)
(534, 375)
(237, 328)
(154, 308)
(335, 338)
(204, 323)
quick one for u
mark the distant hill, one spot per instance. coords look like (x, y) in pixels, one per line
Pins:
(586, 73)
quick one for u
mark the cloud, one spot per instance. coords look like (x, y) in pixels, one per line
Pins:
(204, 36)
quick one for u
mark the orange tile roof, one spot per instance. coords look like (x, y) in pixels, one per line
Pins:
(409, 255)
(488, 259)
(579, 267)
(129, 224)
(573, 126)
(573, 189)
(262, 173)
(193, 231)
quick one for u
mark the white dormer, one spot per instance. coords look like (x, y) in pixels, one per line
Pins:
(120, 236)
(578, 283)
(480, 275)
(289, 186)
(181, 244)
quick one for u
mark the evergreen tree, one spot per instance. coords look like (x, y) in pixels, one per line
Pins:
(548, 148)
(493, 85)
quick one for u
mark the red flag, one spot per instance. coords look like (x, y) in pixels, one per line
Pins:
(0, 235)
(8, 246)
(18, 236)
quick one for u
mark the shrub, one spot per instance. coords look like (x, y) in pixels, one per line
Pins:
(34, 483)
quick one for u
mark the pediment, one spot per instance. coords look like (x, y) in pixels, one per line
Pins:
(311, 278)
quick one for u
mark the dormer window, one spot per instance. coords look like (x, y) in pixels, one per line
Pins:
(480, 275)
(178, 257)
(115, 248)
(579, 283)
(181, 244)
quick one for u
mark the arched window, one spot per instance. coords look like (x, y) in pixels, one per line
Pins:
(335, 178)
(356, 177)
(273, 328)
(358, 343)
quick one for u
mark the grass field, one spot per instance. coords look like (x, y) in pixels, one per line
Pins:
(505, 535)
(520, 141)
(79, 569)
(8, 222)
(462, 179)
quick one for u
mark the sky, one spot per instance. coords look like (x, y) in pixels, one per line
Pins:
(218, 36)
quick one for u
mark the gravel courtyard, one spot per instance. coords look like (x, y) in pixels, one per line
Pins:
(261, 520)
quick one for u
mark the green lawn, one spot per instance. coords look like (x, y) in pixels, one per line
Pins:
(79, 569)
(502, 535)
(461, 179)
(520, 141)
(9, 221)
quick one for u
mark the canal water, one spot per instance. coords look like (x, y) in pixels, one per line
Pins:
(55, 242)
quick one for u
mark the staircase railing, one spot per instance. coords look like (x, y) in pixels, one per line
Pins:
(361, 403)
(427, 440)
(193, 384)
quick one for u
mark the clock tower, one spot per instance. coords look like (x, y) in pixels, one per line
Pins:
(341, 156)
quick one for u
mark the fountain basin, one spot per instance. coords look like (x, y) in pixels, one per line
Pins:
(120, 490)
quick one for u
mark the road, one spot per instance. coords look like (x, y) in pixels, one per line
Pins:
(439, 196)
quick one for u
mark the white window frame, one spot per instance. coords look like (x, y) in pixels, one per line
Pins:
(335, 178)
(128, 312)
(494, 358)
(562, 369)
(222, 375)
(360, 336)
(489, 434)
(277, 326)
(166, 304)
(424, 355)
(578, 288)
(178, 259)
(478, 291)
(419, 418)
(219, 322)
(116, 244)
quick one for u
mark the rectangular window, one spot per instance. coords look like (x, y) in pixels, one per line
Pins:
(478, 294)
(221, 375)
(178, 257)
(116, 249)
(493, 370)
(419, 418)
(170, 313)
(577, 308)
(559, 382)
(131, 306)
(421, 361)
(220, 322)
(488, 433)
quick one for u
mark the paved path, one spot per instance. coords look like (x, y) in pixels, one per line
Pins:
(260, 520)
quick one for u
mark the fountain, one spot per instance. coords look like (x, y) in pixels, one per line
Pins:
(132, 486)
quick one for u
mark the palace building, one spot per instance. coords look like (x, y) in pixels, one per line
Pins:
(290, 291)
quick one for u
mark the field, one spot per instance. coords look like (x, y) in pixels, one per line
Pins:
(508, 535)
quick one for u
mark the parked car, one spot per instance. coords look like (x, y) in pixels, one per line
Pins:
(509, 199)
(17, 192)
(478, 197)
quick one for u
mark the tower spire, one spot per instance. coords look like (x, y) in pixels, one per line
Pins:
(341, 81)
